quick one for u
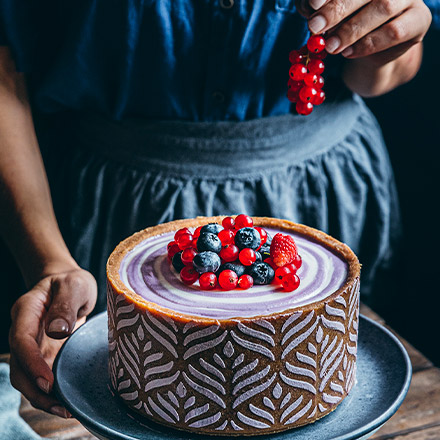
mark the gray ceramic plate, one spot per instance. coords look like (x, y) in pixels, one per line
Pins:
(383, 378)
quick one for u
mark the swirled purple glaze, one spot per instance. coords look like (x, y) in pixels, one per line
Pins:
(146, 271)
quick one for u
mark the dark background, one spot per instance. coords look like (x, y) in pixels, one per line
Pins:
(410, 120)
(409, 117)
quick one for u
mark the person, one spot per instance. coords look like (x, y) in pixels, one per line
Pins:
(119, 115)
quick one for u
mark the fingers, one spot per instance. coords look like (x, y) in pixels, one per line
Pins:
(400, 33)
(38, 399)
(73, 296)
(26, 330)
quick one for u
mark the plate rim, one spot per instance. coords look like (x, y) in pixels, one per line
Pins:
(105, 430)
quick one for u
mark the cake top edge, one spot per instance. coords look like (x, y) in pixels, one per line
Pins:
(310, 233)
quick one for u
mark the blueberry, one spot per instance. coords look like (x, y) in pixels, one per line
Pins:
(209, 242)
(206, 261)
(177, 261)
(262, 273)
(265, 251)
(215, 228)
(238, 268)
(247, 238)
(259, 257)
(268, 239)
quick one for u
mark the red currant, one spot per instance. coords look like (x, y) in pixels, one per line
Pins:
(271, 263)
(263, 234)
(316, 43)
(247, 256)
(196, 233)
(307, 93)
(291, 267)
(319, 98)
(229, 253)
(188, 256)
(184, 240)
(304, 108)
(208, 281)
(297, 72)
(194, 243)
(294, 85)
(315, 65)
(172, 250)
(227, 279)
(292, 95)
(290, 282)
(228, 223)
(226, 236)
(189, 275)
(297, 261)
(245, 282)
(320, 55)
(180, 232)
(243, 221)
(280, 273)
(296, 57)
(171, 243)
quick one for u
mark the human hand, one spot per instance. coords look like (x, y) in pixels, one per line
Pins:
(41, 320)
(380, 29)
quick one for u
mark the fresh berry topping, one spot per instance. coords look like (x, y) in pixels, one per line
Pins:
(227, 236)
(263, 234)
(173, 249)
(290, 282)
(262, 273)
(208, 281)
(316, 43)
(177, 261)
(228, 280)
(171, 243)
(304, 108)
(247, 256)
(245, 282)
(270, 262)
(194, 243)
(214, 228)
(297, 261)
(258, 256)
(265, 251)
(188, 255)
(293, 269)
(209, 242)
(196, 233)
(283, 249)
(206, 261)
(243, 221)
(238, 268)
(297, 72)
(184, 240)
(229, 253)
(180, 232)
(188, 275)
(280, 273)
(228, 223)
(247, 238)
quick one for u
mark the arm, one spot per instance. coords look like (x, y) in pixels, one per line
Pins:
(380, 39)
(60, 292)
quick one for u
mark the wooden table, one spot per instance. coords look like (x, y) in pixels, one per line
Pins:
(417, 419)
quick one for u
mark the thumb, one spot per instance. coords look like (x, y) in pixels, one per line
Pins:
(73, 296)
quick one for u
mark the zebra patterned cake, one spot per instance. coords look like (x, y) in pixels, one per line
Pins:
(232, 362)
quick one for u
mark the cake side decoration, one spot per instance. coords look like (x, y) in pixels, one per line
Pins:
(212, 372)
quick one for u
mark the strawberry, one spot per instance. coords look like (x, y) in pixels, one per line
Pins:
(283, 249)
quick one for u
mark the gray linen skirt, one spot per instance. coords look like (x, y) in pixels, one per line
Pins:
(329, 170)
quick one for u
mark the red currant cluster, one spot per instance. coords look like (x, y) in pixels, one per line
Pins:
(305, 82)
(230, 255)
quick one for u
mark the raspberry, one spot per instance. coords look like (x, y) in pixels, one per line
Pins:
(283, 249)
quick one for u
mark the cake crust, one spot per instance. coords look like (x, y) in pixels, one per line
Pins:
(235, 376)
